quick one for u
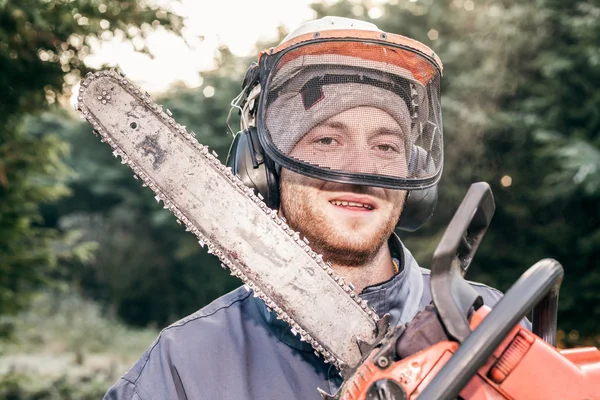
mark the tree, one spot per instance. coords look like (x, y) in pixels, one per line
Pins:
(548, 133)
(520, 112)
(42, 46)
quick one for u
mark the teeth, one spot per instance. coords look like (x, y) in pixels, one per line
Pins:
(350, 204)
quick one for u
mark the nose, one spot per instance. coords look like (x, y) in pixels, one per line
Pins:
(359, 159)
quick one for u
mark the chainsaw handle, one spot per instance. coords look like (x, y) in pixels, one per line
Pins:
(538, 283)
(452, 295)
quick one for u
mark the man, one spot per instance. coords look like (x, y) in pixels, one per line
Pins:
(345, 122)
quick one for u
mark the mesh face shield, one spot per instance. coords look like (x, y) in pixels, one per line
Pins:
(353, 110)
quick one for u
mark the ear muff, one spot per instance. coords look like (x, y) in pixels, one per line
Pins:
(247, 160)
(419, 204)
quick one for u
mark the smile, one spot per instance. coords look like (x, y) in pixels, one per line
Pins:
(351, 204)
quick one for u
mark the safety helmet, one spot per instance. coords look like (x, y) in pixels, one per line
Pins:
(297, 113)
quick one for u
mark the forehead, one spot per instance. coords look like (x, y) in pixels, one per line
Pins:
(361, 121)
(364, 140)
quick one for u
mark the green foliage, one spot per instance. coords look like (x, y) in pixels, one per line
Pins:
(42, 46)
(63, 347)
(547, 131)
(15, 386)
(43, 43)
(27, 168)
(578, 163)
(62, 321)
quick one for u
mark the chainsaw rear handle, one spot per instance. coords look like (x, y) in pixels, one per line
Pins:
(539, 283)
(544, 321)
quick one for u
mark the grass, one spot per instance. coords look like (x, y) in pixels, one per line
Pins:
(64, 347)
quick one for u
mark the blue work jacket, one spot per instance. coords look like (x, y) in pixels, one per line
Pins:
(234, 348)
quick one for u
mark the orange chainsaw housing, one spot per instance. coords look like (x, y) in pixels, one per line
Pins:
(523, 367)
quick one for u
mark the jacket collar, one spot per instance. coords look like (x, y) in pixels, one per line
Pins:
(399, 296)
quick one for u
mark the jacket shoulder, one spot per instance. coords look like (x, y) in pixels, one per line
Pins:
(123, 390)
(198, 333)
(231, 300)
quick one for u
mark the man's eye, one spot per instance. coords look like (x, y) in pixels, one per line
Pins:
(386, 147)
(326, 140)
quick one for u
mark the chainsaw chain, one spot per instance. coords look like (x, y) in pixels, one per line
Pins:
(213, 248)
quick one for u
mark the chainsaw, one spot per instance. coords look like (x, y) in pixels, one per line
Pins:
(459, 348)
(466, 350)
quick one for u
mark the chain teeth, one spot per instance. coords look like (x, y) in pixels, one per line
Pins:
(212, 157)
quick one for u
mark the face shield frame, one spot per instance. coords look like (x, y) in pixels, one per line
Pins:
(270, 60)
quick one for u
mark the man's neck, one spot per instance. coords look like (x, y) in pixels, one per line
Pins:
(379, 269)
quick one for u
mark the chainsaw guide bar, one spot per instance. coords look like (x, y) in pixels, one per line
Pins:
(249, 238)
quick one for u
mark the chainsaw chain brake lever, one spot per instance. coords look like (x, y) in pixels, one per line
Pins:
(452, 295)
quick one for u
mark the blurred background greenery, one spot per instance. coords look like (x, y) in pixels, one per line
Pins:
(91, 268)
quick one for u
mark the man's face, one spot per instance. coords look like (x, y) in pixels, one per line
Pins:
(347, 223)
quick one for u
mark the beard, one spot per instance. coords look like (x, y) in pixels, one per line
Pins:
(347, 242)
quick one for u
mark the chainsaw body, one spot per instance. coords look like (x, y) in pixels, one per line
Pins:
(522, 367)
